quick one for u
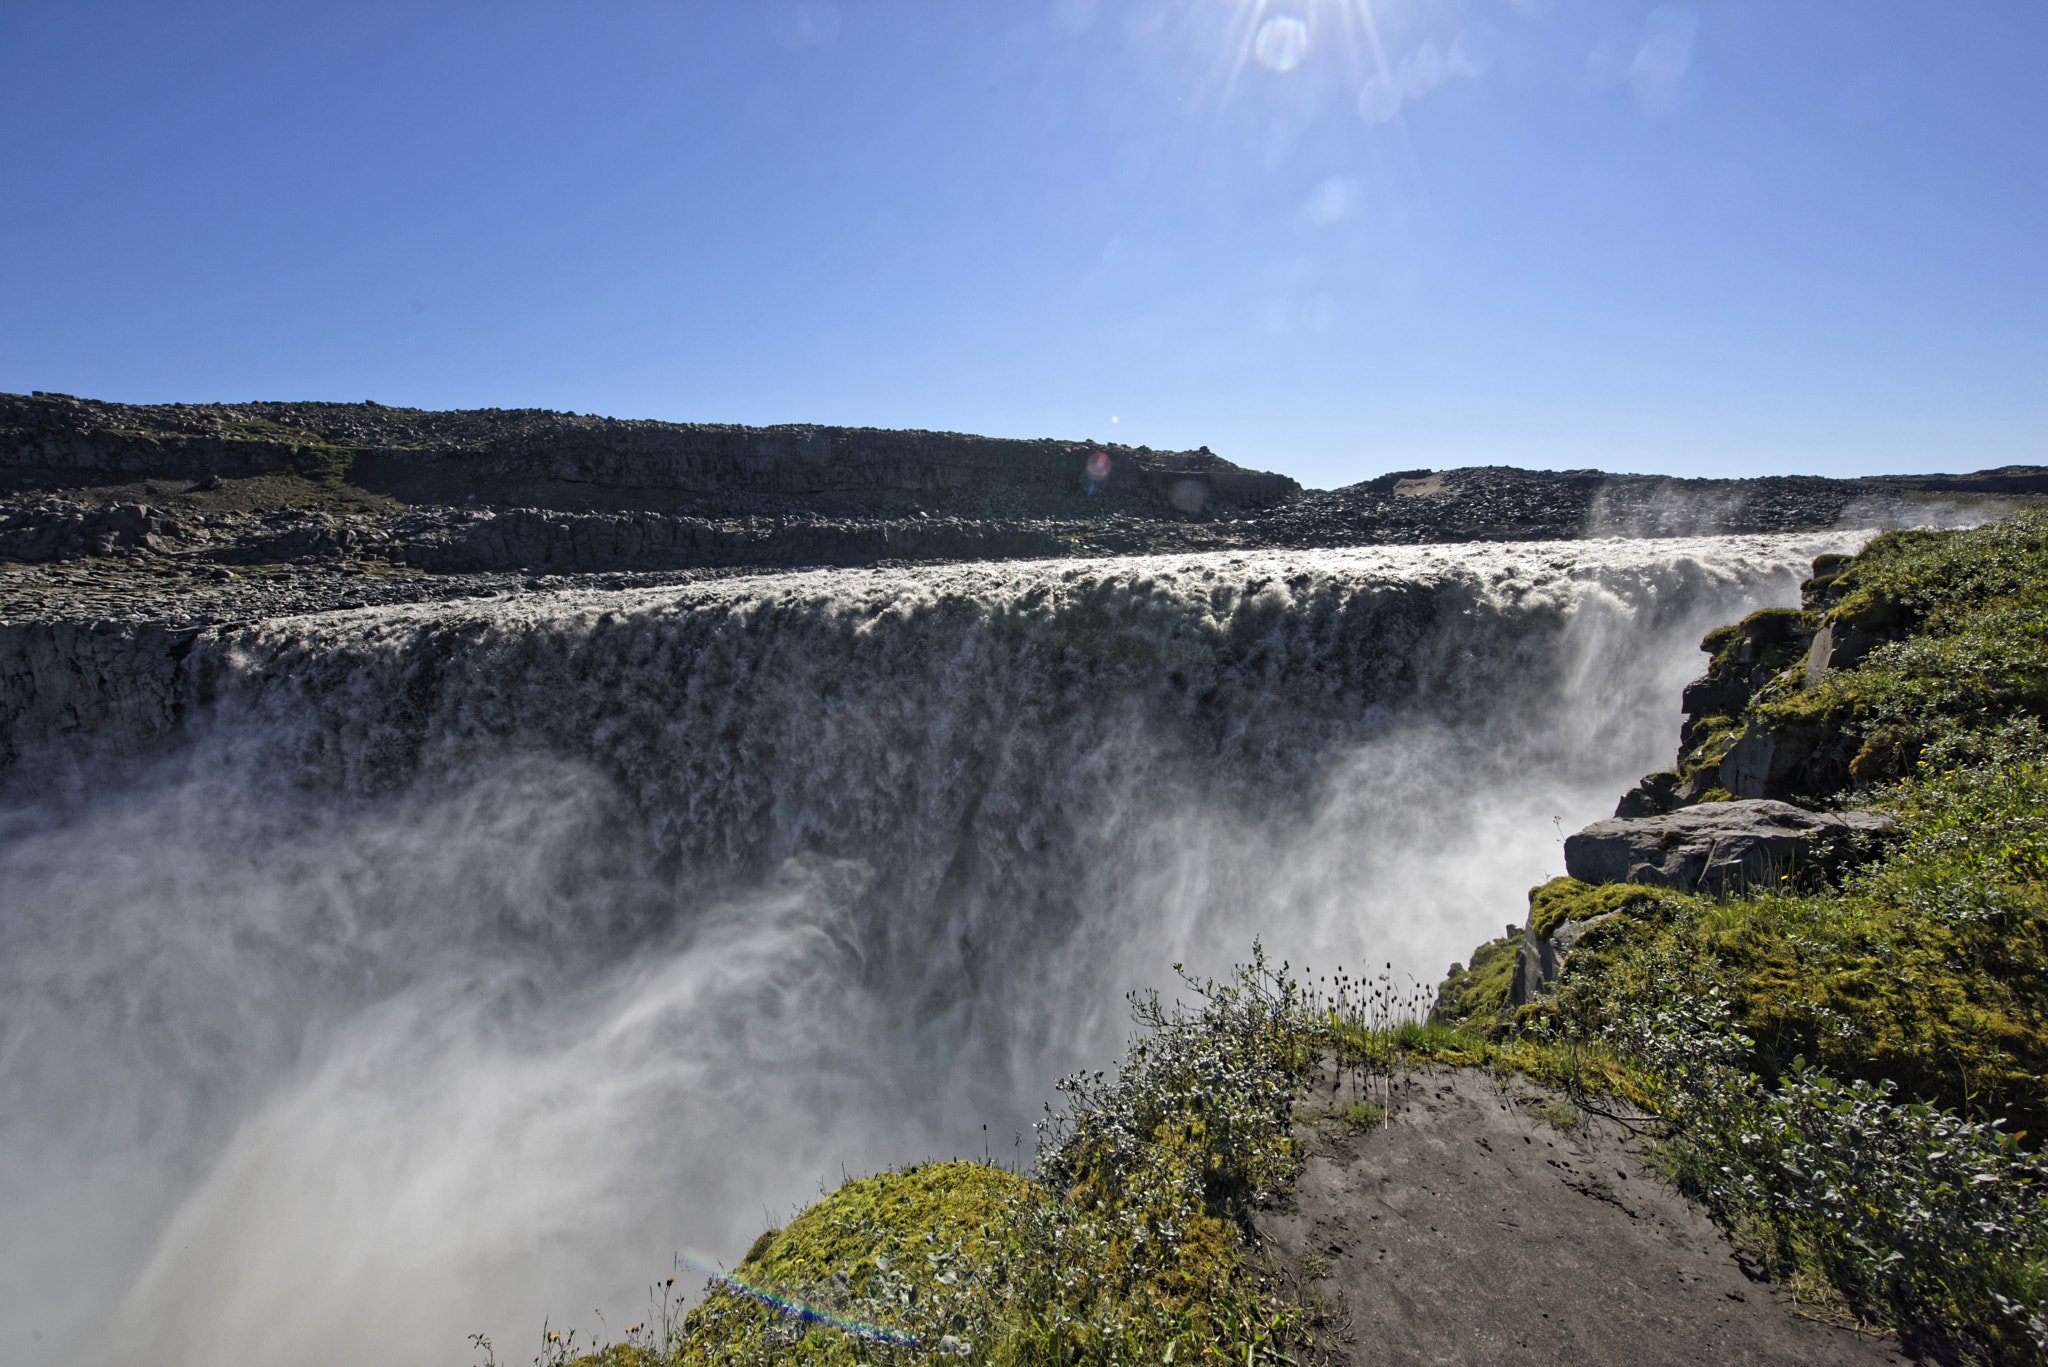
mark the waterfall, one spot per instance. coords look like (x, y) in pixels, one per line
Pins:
(449, 966)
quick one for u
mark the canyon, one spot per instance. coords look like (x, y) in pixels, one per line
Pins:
(423, 916)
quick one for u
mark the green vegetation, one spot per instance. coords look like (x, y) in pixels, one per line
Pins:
(1770, 639)
(1963, 617)
(1127, 1244)
(1855, 1077)
(1361, 1115)
(1567, 899)
(1482, 989)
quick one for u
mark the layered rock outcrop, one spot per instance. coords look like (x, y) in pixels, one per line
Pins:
(577, 462)
(1726, 747)
(1716, 822)
(1721, 846)
(591, 494)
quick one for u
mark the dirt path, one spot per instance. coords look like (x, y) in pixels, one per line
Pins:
(1472, 1231)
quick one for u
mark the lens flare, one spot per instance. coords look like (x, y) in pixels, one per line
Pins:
(1282, 43)
(791, 1308)
(1098, 469)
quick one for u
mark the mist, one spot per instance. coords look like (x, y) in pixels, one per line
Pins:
(459, 964)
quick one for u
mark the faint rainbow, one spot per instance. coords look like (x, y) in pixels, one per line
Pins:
(795, 1309)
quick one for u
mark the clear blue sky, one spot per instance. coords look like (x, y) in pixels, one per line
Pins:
(1326, 237)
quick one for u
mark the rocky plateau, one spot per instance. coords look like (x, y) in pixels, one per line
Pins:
(202, 514)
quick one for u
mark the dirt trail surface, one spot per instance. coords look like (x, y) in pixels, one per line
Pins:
(1471, 1230)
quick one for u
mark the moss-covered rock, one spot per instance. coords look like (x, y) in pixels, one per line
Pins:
(892, 1259)
(1478, 994)
(1567, 899)
(1484, 997)
(891, 1214)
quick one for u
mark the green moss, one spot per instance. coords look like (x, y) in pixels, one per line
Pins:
(1771, 625)
(1950, 1014)
(1967, 614)
(1361, 1115)
(1559, 1115)
(1480, 991)
(1715, 737)
(1567, 899)
(910, 1250)
(1923, 581)
(1476, 999)
(894, 1214)
(1866, 608)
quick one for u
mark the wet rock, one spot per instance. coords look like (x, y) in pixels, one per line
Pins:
(1721, 846)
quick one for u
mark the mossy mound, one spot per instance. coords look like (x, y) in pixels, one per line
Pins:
(901, 1259)
(893, 1215)
(1478, 999)
(1478, 994)
(1567, 899)
(1764, 642)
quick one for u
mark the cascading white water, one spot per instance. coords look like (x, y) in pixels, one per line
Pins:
(463, 962)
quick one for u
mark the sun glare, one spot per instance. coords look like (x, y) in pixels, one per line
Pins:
(1283, 35)
(1281, 43)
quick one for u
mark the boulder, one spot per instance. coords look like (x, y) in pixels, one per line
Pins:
(1720, 846)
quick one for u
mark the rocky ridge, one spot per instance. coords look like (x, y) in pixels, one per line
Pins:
(198, 513)
(1719, 820)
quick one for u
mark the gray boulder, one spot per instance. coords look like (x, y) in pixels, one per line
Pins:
(1720, 846)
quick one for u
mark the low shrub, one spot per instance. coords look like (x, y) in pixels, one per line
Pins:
(1912, 1214)
(1126, 1244)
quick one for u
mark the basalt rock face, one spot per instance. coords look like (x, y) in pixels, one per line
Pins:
(364, 487)
(1721, 754)
(1738, 741)
(581, 463)
(1720, 846)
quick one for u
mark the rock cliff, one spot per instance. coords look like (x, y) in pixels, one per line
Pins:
(243, 510)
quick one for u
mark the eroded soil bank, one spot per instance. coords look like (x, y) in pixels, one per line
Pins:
(1469, 1227)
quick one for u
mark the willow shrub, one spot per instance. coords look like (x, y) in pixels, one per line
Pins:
(1908, 1210)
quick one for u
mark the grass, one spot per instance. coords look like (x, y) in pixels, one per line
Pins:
(1559, 1115)
(1361, 1115)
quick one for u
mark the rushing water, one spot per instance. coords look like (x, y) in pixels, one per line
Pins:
(461, 963)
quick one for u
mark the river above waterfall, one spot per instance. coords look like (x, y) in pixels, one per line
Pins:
(422, 971)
